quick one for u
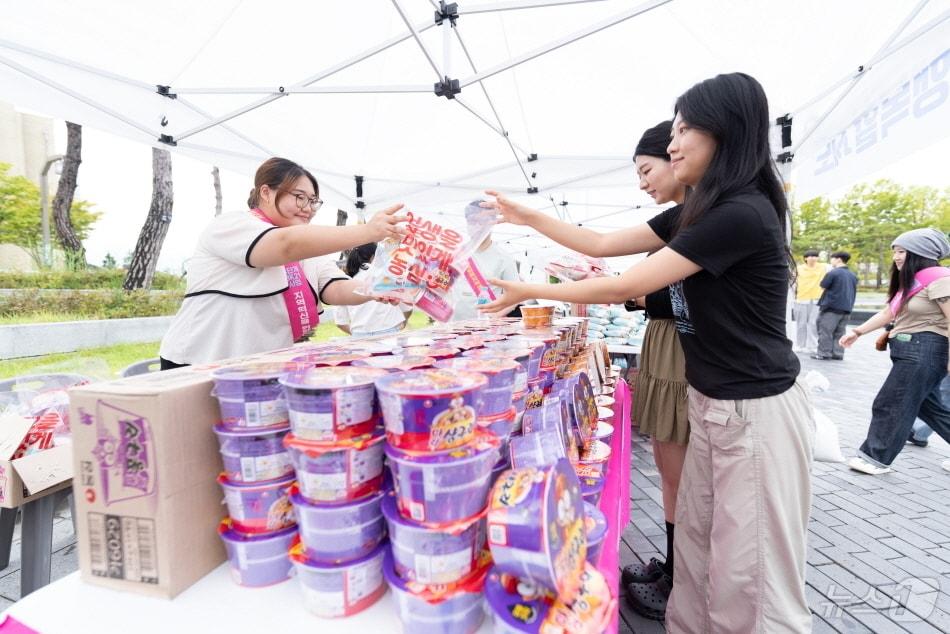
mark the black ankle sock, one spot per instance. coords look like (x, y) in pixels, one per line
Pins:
(668, 566)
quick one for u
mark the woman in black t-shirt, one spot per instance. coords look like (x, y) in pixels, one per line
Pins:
(745, 492)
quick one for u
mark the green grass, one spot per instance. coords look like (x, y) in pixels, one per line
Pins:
(105, 363)
(43, 318)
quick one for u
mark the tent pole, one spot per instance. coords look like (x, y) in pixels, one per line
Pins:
(520, 4)
(415, 35)
(302, 90)
(599, 26)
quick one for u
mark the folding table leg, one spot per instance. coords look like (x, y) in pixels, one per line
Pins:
(37, 540)
(7, 523)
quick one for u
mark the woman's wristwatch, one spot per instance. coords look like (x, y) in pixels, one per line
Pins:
(631, 305)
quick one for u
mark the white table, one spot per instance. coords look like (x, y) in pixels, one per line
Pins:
(214, 604)
(614, 348)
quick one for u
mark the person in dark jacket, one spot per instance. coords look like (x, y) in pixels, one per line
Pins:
(834, 307)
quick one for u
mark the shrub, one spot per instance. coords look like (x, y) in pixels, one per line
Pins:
(96, 304)
(100, 278)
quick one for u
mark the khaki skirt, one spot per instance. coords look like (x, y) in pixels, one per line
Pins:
(660, 405)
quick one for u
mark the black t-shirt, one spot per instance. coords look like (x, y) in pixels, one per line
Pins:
(659, 305)
(731, 315)
(841, 286)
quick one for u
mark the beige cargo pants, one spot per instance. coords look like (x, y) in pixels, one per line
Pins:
(742, 517)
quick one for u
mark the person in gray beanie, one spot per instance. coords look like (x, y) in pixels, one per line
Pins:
(917, 317)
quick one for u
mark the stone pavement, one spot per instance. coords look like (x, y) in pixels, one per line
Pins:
(878, 546)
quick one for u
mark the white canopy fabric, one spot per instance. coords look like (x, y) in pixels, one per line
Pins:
(553, 93)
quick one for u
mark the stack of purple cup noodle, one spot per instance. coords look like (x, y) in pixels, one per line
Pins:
(257, 473)
(441, 463)
(336, 447)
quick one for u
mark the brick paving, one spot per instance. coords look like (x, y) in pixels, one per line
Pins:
(878, 546)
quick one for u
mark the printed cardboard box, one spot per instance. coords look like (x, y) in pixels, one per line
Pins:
(25, 479)
(146, 459)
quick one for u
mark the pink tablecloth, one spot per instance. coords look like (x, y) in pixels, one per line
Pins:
(615, 500)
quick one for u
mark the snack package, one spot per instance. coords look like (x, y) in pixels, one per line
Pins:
(422, 268)
(571, 266)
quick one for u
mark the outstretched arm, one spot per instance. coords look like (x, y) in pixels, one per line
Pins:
(657, 271)
(638, 239)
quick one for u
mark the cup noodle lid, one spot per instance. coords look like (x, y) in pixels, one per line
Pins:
(256, 370)
(315, 448)
(329, 378)
(525, 607)
(585, 408)
(551, 494)
(596, 523)
(488, 365)
(436, 352)
(435, 382)
(397, 362)
(333, 358)
(483, 442)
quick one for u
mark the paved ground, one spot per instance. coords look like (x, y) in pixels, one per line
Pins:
(879, 547)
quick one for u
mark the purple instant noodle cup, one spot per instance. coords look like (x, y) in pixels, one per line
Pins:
(444, 487)
(257, 560)
(536, 526)
(258, 507)
(520, 606)
(454, 608)
(437, 352)
(330, 359)
(396, 362)
(604, 432)
(433, 555)
(253, 454)
(535, 351)
(501, 375)
(592, 486)
(250, 396)
(332, 472)
(596, 524)
(430, 410)
(332, 403)
(338, 590)
(334, 533)
(595, 457)
(522, 356)
(502, 426)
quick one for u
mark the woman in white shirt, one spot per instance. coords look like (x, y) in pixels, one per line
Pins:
(371, 318)
(258, 277)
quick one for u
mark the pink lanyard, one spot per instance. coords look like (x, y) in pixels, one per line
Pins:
(921, 281)
(298, 298)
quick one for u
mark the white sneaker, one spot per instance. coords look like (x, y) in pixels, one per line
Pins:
(860, 464)
(945, 464)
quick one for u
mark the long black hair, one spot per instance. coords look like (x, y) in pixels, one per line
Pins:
(902, 280)
(359, 256)
(734, 110)
(655, 141)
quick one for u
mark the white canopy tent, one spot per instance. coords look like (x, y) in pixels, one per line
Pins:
(543, 99)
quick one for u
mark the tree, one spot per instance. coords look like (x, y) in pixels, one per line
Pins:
(62, 204)
(867, 218)
(141, 269)
(20, 221)
(108, 262)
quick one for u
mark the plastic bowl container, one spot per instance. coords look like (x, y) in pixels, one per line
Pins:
(446, 487)
(396, 362)
(250, 396)
(522, 356)
(537, 316)
(596, 523)
(258, 507)
(604, 432)
(253, 454)
(338, 590)
(338, 472)
(330, 359)
(534, 346)
(592, 487)
(520, 607)
(430, 410)
(257, 560)
(536, 526)
(501, 426)
(596, 457)
(443, 609)
(334, 533)
(437, 352)
(467, 342)
(433, 555)
(501, 375)
(331, 403)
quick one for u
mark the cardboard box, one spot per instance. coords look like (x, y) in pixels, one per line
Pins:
(146, 461)
(30, 477)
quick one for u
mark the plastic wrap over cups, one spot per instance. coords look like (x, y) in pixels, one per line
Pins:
(519, 606)
(432, 256)
(571, 266)
(536, 527)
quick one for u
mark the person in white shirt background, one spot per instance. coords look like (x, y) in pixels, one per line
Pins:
(371, 318)
(494, 263)
(258, 277)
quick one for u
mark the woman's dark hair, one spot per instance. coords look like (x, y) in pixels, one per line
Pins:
(359, 256)
(279, 174)
(655, 141)
(734, 110)
(903, 279)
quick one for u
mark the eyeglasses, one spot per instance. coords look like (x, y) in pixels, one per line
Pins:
(304, 201)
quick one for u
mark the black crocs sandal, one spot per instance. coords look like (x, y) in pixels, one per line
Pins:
(649, 599)
(642, 573)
